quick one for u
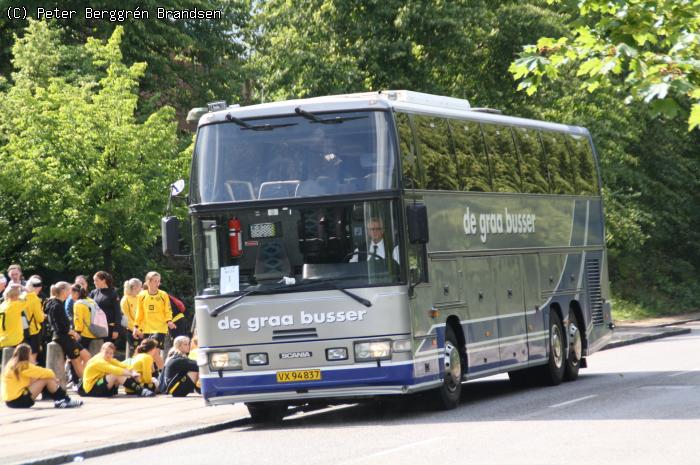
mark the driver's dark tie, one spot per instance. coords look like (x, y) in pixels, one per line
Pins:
(374, 252)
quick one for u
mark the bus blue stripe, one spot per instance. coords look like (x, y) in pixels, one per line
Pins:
(375, 376)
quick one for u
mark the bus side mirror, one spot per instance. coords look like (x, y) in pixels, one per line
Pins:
(170, 231)
(417, 219)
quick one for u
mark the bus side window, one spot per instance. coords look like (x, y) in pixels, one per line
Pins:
(435, 151)
(472, 164)
(503, 158)
(407, 148)
(582, 159)
(534, 171)
(558, 163)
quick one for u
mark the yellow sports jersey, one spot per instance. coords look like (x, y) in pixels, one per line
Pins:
(97, 368)
(143, 364)
(153, 312)
(81, 319)
(11, 331)
(12, 387)
(34, 312)
(128, 304)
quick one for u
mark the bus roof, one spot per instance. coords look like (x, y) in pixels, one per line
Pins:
(399, 100)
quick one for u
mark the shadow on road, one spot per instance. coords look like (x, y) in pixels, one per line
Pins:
(609, 396)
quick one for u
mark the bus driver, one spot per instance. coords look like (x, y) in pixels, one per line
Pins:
(375, 249)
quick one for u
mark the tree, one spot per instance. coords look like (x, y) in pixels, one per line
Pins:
(83, 182)
(644, 49)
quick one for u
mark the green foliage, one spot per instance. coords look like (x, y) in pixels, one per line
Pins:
(83, 182)
(645, 49)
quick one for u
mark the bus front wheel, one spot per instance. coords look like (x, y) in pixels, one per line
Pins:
(266, 412)
(447, 396)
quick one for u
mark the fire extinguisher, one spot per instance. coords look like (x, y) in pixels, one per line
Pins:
(234, 237)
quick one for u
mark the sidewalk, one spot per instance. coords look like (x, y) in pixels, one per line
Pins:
(44, 435)
(633, 332)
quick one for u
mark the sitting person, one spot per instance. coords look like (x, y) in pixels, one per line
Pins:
(104, 374)
(376, 249)
(180, 375)
(22, 382)
(142, 363)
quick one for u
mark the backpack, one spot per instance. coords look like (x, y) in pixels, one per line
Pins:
(98, 319)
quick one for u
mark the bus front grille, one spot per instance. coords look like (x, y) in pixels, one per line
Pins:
(594, 294)
(290, 334)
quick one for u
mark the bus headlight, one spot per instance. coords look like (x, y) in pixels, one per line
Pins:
(336, 353)
(403, 345)
(225, 361)
(372, 350)
(257, 359)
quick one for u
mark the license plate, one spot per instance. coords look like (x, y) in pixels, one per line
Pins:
(298, 375)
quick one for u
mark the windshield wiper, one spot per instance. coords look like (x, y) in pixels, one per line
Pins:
(217, 310)
(329, 282)
(261, 127)
(334, 120)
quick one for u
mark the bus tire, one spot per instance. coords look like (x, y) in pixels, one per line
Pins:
(553, 371)
(448, 394)
(266, 412)
(573, 356)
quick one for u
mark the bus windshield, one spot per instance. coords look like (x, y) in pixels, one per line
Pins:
(354, 244)
(294, 156)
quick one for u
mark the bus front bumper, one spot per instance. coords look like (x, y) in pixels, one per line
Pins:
(361, 381)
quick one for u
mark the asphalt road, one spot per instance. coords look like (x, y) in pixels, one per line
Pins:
(638, 404)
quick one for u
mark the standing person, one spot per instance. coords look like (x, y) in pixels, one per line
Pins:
(11, 310)
(3, 284)
(142, 363)
(129, 303)
(104, 374)
(81, 315)
(63, 335)
(14, 272)
(107, 299)
(22, 382)
(35, 315)
(153, 314)
(82, 280)
(181, 325)
(180, 375)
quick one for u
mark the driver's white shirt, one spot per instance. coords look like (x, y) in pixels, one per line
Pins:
(381, 253)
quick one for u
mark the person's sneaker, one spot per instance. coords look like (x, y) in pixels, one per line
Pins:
(68, 403)
(147, 393)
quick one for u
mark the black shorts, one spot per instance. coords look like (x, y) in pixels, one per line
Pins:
(23, 401)
(159, 337)
(182, 386)
(71, 349)
(132, 341)
(181, 328)
(34, 342)
(100, 389)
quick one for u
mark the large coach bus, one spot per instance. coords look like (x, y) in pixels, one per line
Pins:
(386, 243)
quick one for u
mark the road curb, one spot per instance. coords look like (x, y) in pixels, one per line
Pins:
(645, 338)
(121, 447)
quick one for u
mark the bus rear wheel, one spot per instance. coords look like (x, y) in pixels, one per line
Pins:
(266, 412)
(553, 371)
(447, 396)
(573, 358)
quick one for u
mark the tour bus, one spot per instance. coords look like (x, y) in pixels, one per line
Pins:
(387, 243)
